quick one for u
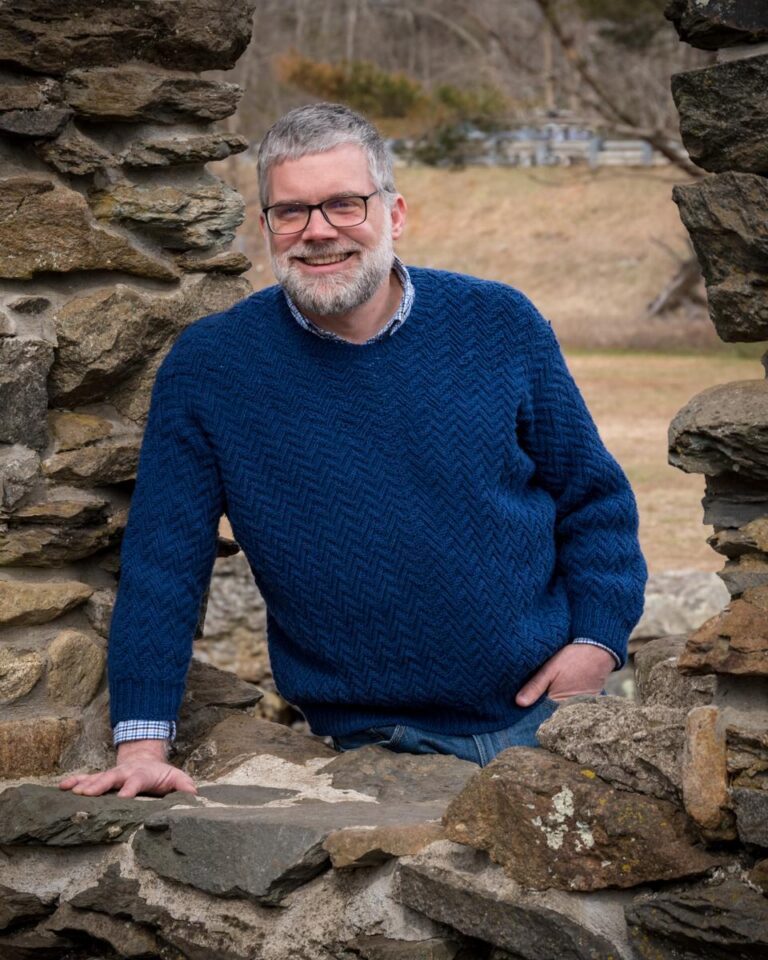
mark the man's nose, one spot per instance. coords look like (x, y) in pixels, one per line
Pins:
(318, 227)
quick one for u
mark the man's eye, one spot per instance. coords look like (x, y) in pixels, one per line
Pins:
(342, 204)
(290, 211)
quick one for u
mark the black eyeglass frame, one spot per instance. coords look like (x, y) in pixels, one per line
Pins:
(319, 206)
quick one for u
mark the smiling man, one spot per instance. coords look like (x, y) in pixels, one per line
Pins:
(445, 547)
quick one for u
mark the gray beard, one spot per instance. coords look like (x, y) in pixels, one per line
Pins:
(327, 296)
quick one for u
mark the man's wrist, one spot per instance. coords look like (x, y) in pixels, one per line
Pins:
(595, 643)
(147, 749)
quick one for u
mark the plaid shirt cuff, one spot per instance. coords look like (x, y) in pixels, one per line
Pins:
(594, 643)
(143, 730)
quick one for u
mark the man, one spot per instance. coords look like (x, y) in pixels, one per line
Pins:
(445, 547)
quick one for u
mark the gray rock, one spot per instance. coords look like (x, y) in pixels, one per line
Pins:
(733, 501)
(17, 907)
(98, 610)
(383, 948)
(723, 115)
(284, 849)
(182, 148)
(32, 814)
(658, 681)
(711, 24)
(201, 215)
(632, 747)
(745, 573)
(127, 938)
(134, 93)
(24, 366)
(458, 886)
(7, 325)
(399, 777)
(724, 922)
(35, 943)
(723, 429)
(43, 36)
(678, 601)
(74, 152)
(751, 816)
(18, 468)
(45, 122)
(29, 305)
(723, 215)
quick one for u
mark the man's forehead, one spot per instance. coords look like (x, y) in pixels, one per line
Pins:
(339, 170)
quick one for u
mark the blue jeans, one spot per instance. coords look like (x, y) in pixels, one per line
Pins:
(478, 747)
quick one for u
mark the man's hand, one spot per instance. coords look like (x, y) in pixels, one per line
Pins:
(577, 668)
(141, 768)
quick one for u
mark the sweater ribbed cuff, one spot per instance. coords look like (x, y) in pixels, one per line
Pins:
(148, 699)
(604, 630)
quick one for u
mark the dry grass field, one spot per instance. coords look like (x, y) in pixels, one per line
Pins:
(591, 250)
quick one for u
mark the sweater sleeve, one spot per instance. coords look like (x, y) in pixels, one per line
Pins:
(596, 521)
(168, 549)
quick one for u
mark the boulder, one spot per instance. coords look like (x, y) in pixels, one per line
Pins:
(711, 24)
(19, 672)
(553, 823)
(131, 92)
(458, 886)
(632, 747)
(658, 682)
(723, 115)
(721, 922)
(48, 38)
(733, 642)
(24, 602)
(24, 366)
(200, 215)
(45, 227)
(722, 430)
(34, 748)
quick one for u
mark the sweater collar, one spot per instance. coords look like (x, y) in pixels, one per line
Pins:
(397, 319)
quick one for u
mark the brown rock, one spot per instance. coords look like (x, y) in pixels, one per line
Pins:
(758, 875)
(19, 672)
(48, 546)
(658, 682)
(44, 227)
(98, 610)
(110, 461)
(553, 823)
(75, 512)
(71, 431)
(23, 603)
(73, 152)
(747, 572)
(751, 538)
(747, 751)
(33, 748)
(734, 642)
(182, 148)
(723, 429)
(27, 93)
(369, 846)
(134, 93)
(704, 774)
(230, 261)
(204, 214)
(75, 668)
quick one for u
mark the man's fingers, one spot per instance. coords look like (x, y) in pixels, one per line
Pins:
(535, 687)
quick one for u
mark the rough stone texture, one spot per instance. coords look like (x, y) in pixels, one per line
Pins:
(193, 35)
(231, 261)
(368, 846)
(7, 325)
(284, 847)
(725, 216)
(731, 500)
(679, 601)
(758, 875)
(74, 152)
(17, 908)
(746, 740)
(705, 773)
(399, 777)
(237, 739)
(104, 336)
(112, 460)
(18, 469)
(723, 115)
(29, 306)
(722, 429)
(75, 668)
(35, 545)
(32, 748)
(658, 682)
(751, 808)
(134, 93)
(722, 922)
(35, 943)
(98, 609)
(23, 603)
(733, 642)
(458, 886)
(553, 823)
(383, 948)
(182, 148)
(201, 215)
(752, 538)
(19, 672)
(128, 939)
(24, 365)
(632, 747)
(45, 227)
(45, 122)
(32, 814)
(72, 508)
(748, 572)
(711, 24)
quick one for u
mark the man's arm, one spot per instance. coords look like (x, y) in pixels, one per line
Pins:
(167, 557)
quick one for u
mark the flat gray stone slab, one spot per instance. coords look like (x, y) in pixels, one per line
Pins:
(257, 852)
(244, 795)
(752, 817)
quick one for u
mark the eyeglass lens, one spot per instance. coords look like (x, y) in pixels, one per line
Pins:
(339, 212)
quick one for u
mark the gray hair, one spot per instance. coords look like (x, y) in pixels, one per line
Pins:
(319, 127)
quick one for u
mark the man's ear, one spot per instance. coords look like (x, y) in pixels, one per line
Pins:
(263, 226)
(399, 213)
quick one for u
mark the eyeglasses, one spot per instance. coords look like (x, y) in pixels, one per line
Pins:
(338, 211)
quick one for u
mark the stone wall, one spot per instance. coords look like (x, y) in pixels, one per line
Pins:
(113, 237)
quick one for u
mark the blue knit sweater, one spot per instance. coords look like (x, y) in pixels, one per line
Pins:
(429, 517)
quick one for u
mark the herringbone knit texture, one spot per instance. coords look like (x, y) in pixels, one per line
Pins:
(429, 517)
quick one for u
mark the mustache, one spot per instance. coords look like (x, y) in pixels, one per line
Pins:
(322, 250)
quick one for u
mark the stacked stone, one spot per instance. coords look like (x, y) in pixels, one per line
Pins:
(113, 238)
